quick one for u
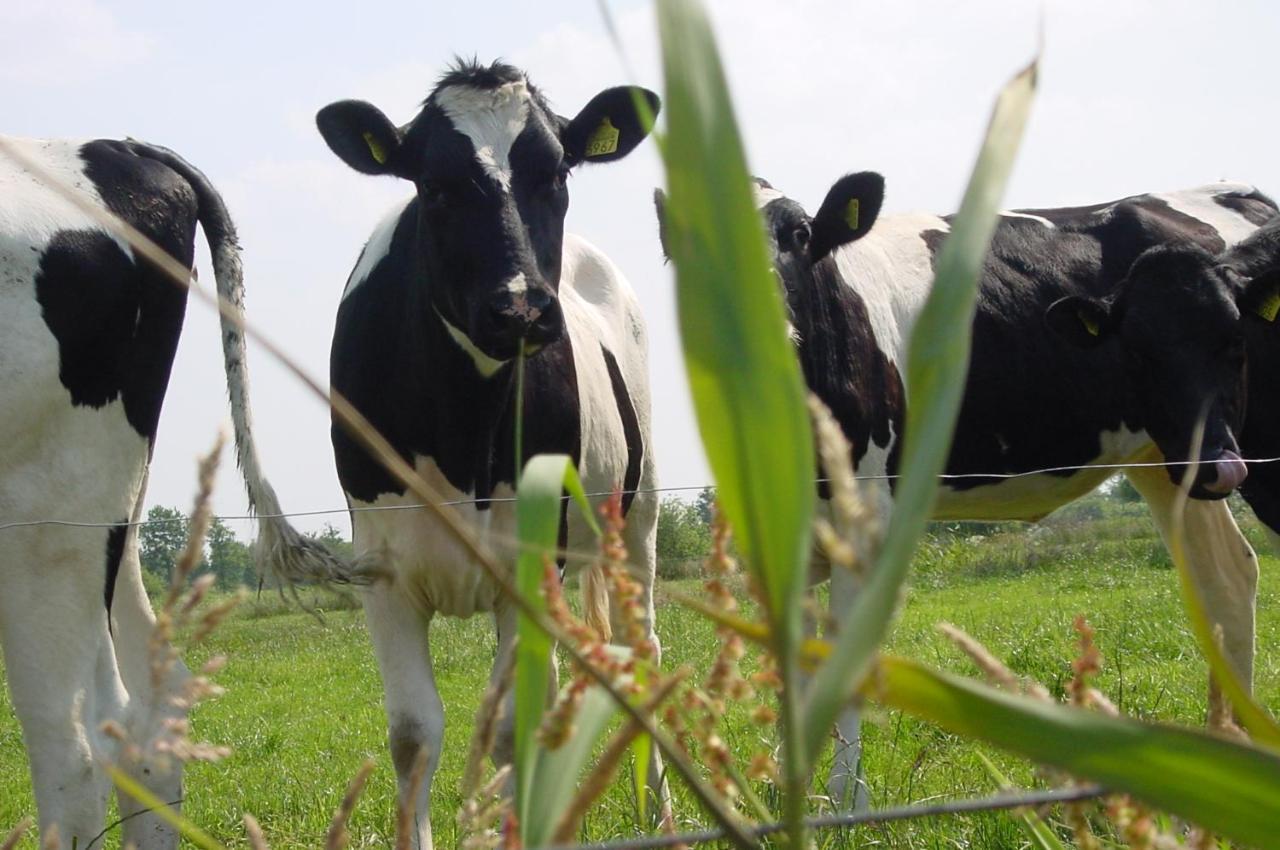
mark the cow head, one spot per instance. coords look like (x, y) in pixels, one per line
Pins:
(490, 162)
(798, 242)
(1179, 320)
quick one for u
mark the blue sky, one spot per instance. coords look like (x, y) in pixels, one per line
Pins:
(1141, 95)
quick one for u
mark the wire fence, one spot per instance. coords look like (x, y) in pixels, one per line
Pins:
(688, 488)
(997, 802)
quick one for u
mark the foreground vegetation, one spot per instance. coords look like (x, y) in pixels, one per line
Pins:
(303, 702)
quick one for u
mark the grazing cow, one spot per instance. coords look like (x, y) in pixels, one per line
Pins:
(1255, 263)
(87, 338)
(1103, 335)
(469, 274)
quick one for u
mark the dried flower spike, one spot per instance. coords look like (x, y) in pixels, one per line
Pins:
(1086, 665)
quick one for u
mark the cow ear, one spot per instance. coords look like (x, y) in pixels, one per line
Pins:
(1083, 322)
(1261, 296)
(361, 136)
(610, 126)
(847, 213)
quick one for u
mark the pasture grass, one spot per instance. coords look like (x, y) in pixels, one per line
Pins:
(303, 702)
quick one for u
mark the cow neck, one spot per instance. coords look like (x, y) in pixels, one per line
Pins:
(471, 415)
(829, 342)
(1033, 400)
(842, 363)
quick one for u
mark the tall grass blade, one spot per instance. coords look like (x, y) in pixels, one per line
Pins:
(641, 750)
(748, 392)
(1040, 834)
(544, 480)
(556, 771)
(937, 364)
(1229, 788)
(165, 811)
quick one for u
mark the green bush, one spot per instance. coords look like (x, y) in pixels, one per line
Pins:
(684, 538)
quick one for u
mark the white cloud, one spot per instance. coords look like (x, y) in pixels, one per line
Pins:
(62, 42)
(318, 194)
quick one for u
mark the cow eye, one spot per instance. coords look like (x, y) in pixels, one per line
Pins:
(432, 192)
(794, 238)
(800, 236)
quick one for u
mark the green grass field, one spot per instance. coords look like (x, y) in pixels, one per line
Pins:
(303, 702)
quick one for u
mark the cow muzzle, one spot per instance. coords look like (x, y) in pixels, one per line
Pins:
(527, 320)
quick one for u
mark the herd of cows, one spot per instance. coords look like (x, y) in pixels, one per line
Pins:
(1133, 332)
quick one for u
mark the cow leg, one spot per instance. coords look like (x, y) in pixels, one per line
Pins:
(62, 678)
(505, 620)
(845, 784)
(1262, 491)
(1223, 565)
(415, 715)
(149, 706)
(639, 537)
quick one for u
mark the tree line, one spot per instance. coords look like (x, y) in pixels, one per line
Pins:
(684, 538)
(163, 538)
(684, 527)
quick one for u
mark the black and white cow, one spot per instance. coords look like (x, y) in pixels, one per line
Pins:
(1103, 335)
(1252, 267)
(87, 339)
(469, 274)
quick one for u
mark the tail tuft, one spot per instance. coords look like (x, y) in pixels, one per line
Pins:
(292, 558)
(595, 602)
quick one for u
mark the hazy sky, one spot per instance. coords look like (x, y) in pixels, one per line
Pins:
(1136, 95)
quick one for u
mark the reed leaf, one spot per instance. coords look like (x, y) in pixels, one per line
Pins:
(542, 484)
(1228, 787)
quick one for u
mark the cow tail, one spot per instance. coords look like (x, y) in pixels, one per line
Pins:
(281, 552)
(595, 601)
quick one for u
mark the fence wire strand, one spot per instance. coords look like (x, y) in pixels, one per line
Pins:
(688, 488)
(996, 802)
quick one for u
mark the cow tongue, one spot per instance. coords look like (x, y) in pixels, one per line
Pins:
(1231, 472)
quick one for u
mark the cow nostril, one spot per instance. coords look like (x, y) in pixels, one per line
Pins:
(532, 314)
(538, 300)
(506, 321)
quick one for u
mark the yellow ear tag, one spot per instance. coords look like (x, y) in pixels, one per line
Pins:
(375, 148)
(851, 214)
(604, 140)
(1089, 324)
(1270, 306)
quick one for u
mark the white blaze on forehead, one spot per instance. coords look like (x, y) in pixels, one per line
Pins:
(491, 119)
(764, 195)
(518, 285)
